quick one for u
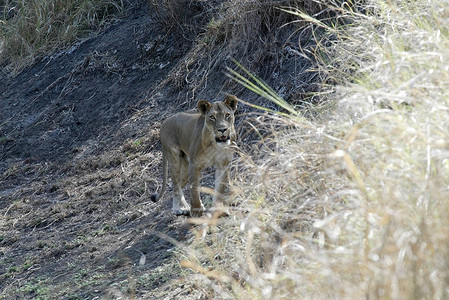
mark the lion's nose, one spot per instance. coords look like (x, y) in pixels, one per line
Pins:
(222, 130)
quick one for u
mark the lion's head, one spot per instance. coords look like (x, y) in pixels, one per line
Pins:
(219, 118)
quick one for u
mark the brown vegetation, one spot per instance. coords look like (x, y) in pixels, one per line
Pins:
(340, 191)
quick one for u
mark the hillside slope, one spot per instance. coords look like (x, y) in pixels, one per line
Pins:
(79, 150)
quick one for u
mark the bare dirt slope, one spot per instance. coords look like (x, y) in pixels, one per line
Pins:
(79, 157)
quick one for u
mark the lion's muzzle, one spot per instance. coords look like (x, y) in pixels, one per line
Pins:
(222, 135)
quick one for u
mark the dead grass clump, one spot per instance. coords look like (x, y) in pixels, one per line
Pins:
(352, 204)
(256, 33)
(282, 191)
(33, 28)
(397, 157)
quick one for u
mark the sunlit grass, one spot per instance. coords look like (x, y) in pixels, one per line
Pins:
(355, 205)
(29, 29)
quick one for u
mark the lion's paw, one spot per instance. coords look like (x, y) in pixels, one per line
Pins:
(196, 212)
(181, 212)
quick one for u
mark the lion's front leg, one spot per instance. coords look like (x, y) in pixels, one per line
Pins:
(180, 205)
(196, 207)
(221, 183)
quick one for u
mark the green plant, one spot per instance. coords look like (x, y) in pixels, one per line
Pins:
(86, 277)
(261, 88)
(13, 269)
(27, 264)
(157, 277)
(36, 288)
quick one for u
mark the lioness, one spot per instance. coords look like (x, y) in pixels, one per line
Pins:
(193, 141)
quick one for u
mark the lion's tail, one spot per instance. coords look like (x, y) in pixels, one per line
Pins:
(155, 197)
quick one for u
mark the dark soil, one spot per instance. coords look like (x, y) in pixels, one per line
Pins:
(80, 157)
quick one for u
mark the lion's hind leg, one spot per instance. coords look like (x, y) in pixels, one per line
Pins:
(184, 178)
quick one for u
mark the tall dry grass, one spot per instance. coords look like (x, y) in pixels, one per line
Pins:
(353, 203)
(31, 28)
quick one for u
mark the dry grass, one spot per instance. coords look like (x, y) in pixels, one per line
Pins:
(252, 31)
(349, 203)
(352, 204)
(29, 29)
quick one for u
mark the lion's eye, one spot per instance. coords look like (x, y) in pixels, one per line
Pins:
(212, 118)
(228, 115)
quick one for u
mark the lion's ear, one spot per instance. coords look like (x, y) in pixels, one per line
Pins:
(231, 102)
(203, 106)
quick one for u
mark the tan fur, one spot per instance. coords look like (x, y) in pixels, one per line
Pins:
(193, 141)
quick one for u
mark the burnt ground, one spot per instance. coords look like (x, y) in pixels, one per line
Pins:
(79, 158)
